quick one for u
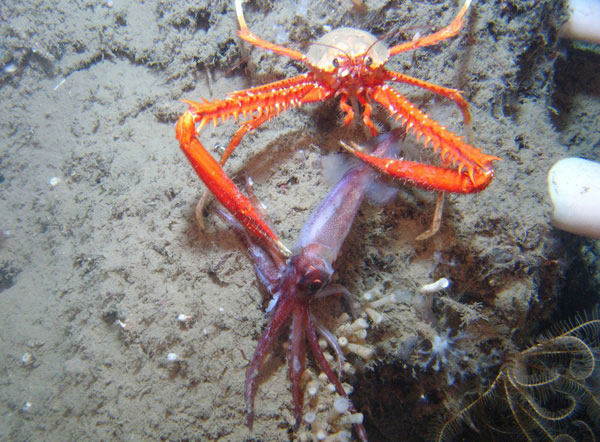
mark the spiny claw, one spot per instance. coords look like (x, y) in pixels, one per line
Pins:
(215, 179)
(426, 176)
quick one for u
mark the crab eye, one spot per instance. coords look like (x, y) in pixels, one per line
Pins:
(368, 61)
(335, 62)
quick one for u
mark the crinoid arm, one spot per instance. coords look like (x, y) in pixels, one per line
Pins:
(546, 392)
(450, 430)
(585, 326)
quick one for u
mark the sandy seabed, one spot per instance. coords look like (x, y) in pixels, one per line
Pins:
(100, 253)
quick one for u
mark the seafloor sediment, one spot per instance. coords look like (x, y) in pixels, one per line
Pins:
(100, 254)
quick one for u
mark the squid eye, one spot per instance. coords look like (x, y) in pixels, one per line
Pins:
(315, 285)
(313, 280)
(335, 62)
(368, 61)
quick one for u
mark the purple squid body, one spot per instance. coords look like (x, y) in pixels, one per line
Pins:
(331, 221)
(295, 283)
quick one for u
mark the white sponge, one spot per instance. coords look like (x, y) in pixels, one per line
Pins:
(584, 21)
(574, 186)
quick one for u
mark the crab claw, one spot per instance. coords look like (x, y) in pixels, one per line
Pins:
(209, 171)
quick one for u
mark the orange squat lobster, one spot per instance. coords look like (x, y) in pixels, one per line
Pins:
(348, 63)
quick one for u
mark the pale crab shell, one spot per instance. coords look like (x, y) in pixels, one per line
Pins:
(344, 42)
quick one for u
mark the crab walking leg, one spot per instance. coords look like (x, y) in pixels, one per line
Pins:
(443, 34)
(436, 223)
(245, 34)
(220, 185)
(452, 94)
